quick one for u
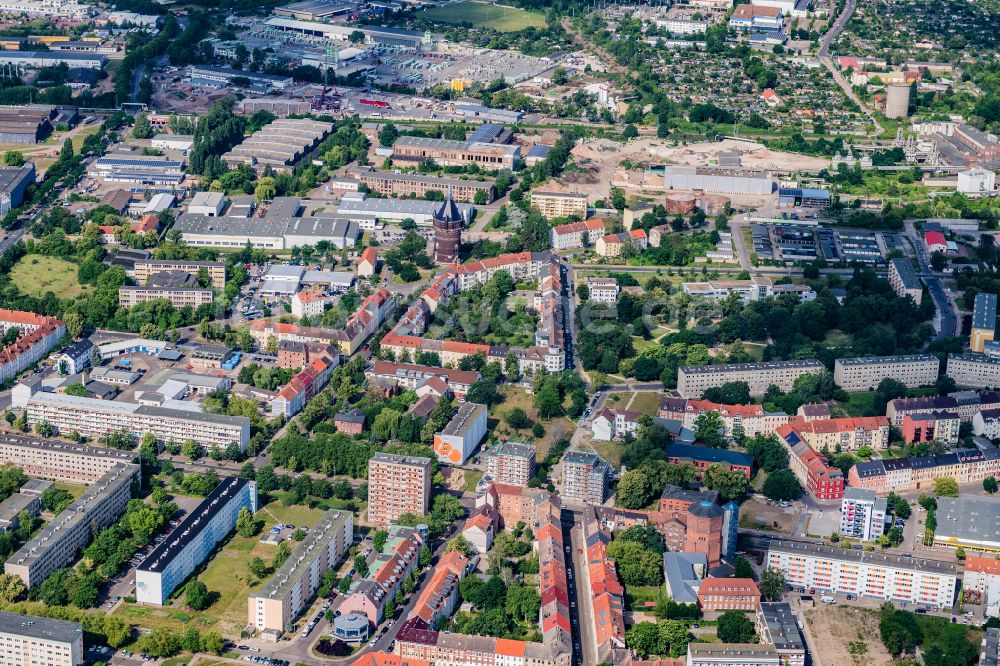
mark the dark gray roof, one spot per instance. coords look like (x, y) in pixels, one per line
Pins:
(984, 316)
(705, 510)
(40, 627)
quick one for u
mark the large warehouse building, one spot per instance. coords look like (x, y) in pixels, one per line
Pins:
(280, 145)
(26, 124)
(39, 59)
(723, 181)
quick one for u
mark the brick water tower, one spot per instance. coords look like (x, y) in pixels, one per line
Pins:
(448, 223)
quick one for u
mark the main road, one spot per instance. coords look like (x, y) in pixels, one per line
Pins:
(824, 57)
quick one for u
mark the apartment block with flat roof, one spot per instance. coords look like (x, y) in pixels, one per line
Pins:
(60, 461)
(462, 435)
(216, 270)
(29, 640)
(393, 184)
(862, 514)
(984, 321)
(585, 477)
(511, 463)
(863, 573)
(692, 381)
(98, 418)
(57, 544)
(193, 540)
(864, 374)
(397, 485)
(904, 280)
(179, 297)
(777, 625)
(560, 204)
(732, 654)
(289, 590)
(974, 370)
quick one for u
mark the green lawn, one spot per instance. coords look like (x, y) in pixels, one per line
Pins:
(72, 488)
(226, 576)
(646, 402)
(483, 15)
(35, 274)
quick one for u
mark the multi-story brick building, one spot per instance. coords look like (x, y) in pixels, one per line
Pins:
(862, 514)
(935, 426)
(517, 504)
(397, 485)
(289, 590)
(585, 477)
(692, 381)
(864, 374)
(511, 463)
(864, 573)
(722, 594)
(440, 595)
(446, 152)
(179, 297)
(190, 544)
(560, 204)
(896, 410)
(60, 461)
(849, 433)
(812, 469)
(904, 280)
(392, 184)
(57, 544)
(216, 270)
(293, 354)
(29, 640)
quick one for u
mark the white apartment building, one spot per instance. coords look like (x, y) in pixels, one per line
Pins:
(98, 418)
(193, 540)
(732, 654)
(560, 204)
(29, 640)
(603, 290)
(864, 374)
(57, 544)
(293, 585)
(576, 234)
(511, 463)
(755, 289)
(60, 461)
(904, 280)
(862, 514)
(974, 370)
(677, 26)
(869, 574)
(693, 380)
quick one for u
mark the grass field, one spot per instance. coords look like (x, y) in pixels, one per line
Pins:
(514, 397)
(72, 488)
(35, 274)
(483, 15)
(227, 579)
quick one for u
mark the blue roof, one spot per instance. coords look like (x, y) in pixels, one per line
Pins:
(539, 150)
(486, 133)
(706, 454)
(804, 192)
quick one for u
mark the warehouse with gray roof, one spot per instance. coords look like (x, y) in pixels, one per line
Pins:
(280, 145)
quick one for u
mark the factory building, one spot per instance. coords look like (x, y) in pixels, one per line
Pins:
(288, 591)
(222, 77)
(57, 544)
(281, 144)
(392, 184)
(397, 210)
(722, 181)
(40, 59)
(281, 229)
(137, 169)
(446, 152)
(191, 542)
(26, 124)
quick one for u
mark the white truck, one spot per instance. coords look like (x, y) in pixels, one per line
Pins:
(827, 599)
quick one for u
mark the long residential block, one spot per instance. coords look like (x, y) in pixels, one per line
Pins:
(216, 270)
(277, 604)
(37, 335)
(193, 540)
(29, 640)
(98, 418)
(415, 149)
(179, 297)
(57, 544)
(864, 374)
(60, 461)
(694, 380)
(974, 370)
(393, 184)
(904, 474)
(866, 574)
(984, 321)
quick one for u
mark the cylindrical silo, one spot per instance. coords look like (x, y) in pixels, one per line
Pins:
(679, 203)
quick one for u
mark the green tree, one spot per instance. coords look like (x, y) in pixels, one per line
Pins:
(945, 486)
(736, 627)
(990, 484)
(710, 430)
(782, 485)
(634, 490)
(517, 418)
(772, 584)
(13, 158)
(636, 565)
(731, 485)
(245, 523)
(257, 567)
(461, 544)
(12, 589)
(361, 565)
(196, 595)
(742, 568)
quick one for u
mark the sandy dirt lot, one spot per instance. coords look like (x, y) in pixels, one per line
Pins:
(759, 515)
(845, 636)
(597, 160)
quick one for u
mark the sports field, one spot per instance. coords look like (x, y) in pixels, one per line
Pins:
(484, 15)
